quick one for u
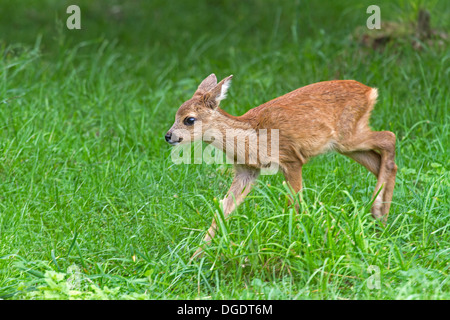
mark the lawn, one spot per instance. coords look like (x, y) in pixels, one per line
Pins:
(92, 206)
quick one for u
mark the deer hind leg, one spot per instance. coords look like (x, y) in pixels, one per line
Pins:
(368, 158)
(389, 172)
(377, 153)
(242, 184)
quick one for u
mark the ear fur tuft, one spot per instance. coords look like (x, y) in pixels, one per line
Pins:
(223, 90)
(213, 97)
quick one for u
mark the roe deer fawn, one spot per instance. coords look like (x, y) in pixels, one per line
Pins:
(320, 117)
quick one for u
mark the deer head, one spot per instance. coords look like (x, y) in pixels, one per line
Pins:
(200, 113)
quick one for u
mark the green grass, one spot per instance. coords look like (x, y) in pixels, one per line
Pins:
(92, 207)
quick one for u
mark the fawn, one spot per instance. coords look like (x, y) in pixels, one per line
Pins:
(320, 117)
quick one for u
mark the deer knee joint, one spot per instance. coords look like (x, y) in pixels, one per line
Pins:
(391, 166)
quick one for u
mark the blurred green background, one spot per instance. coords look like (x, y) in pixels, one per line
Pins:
(87, 184)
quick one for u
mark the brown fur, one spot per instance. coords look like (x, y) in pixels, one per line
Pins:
(320, 117)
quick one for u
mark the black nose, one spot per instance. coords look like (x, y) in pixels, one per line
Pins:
(168, 136)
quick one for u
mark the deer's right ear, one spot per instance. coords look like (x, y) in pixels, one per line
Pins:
(207, 84)
(218, 93)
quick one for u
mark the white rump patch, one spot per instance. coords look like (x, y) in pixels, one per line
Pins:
(373, 95)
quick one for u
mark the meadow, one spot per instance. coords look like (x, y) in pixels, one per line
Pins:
(92, 206)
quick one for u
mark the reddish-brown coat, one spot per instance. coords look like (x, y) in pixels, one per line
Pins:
(320, 117)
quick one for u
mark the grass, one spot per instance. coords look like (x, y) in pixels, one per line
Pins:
(92, 207)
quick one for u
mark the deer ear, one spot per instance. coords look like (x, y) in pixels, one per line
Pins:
(207, 84)
(218, 93)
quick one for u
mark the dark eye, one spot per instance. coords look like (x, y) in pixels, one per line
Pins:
(189, 121)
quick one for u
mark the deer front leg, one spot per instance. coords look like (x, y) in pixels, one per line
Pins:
(293, 175)
(242, 183)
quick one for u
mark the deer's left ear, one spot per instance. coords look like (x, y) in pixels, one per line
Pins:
(218, 93)
(207, 84)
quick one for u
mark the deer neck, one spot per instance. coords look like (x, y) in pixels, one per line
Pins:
(226, 125)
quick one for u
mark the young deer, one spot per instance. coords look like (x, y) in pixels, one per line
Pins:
(320, 117)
